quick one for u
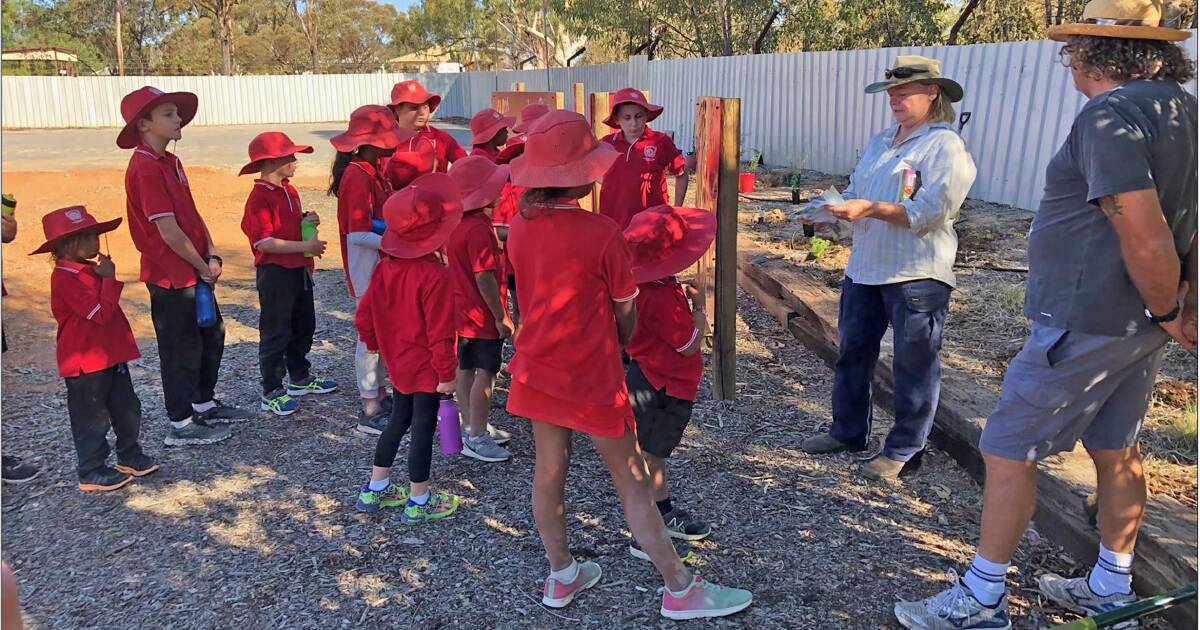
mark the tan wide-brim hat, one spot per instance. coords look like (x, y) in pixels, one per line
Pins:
(913, 68)
(1125, 19)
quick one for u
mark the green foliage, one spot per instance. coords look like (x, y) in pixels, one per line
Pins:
(817, 246)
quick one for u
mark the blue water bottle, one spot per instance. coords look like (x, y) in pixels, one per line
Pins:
(206, 305)
(378, 226)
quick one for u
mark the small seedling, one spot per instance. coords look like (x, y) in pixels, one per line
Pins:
(817, 246)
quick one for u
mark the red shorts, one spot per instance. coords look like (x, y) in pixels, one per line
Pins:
(602, 420)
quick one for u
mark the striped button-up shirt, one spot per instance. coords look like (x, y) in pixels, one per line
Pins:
(935, 158)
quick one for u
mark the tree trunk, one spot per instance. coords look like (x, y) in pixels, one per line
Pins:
(120, 46)
(1049, 12)
(962, 19)
(762, 34)
(727, 29)
(227, 37)
(1058, 15)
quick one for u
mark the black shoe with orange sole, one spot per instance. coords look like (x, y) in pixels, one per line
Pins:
(103, 480)
(138, 466)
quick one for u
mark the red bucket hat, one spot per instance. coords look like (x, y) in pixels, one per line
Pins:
(372, 125)
(412, 91)
(487, 123)
(64, 222)
(479, 180)
(268, 146)
(665, 240)
(421, 216)
(141, 101)
(562, 152)
(514, 148)
(630, 95)
(530, 113)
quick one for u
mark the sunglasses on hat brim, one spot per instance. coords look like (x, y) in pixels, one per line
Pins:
(904, 72)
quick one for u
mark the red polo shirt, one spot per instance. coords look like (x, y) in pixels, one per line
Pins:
(664, 329)
(407, 316)
(637, 180)
(487, 152)
(472, 248)
(506, 207)
(571, 265)
(155, 188)
(360, 195)
(93, 333)
(430, 150)
(274, 212)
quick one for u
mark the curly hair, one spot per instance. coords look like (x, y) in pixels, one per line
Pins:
(1122, 60)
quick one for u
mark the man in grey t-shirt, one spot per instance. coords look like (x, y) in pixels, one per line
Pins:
(1111, 249)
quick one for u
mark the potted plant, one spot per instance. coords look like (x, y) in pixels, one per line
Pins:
(809, 229)
(746, 177)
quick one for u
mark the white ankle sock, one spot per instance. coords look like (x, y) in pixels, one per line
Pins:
(986, 580)
(567, 575)
(420, 499)
(378, 484)
(683, 592)
(181, 423)
(1112, 574)
(205, 406)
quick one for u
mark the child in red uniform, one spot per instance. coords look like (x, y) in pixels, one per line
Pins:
(482, 320)
(407, 315)
(282, 273)
(637, 180)
(94, 344)
(431, 150)
(361, 190)
(578, 291)
(665, 364)
(489, 133)
(177, 253)
(511, 195)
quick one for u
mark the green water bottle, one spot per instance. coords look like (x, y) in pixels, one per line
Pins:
(308, 229)
(8, 204)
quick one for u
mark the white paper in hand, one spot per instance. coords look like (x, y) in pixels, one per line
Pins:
(816, 212)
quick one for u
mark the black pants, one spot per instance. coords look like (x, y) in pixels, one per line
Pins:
(418, 411)
(97, 401)
(286, 323)
(189, 355)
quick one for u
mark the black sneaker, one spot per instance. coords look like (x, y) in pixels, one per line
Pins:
(139, 465)
(681, 549)
(683, 526)
(103, 480)
(16, 471)
(373, 424)
(386, 403)
(223, 414)
(196, 434)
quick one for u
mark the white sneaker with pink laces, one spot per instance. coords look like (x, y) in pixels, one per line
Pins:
(558, 594)
(704, 599)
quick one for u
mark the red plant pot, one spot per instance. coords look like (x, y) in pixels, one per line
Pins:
(746, 182)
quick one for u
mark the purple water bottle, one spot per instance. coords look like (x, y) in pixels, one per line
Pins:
(449, 431)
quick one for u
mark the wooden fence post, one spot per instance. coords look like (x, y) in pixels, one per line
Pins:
(579, 99)
(599, 111)
(519, 86)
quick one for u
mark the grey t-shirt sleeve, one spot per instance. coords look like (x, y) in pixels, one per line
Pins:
(1113, 152)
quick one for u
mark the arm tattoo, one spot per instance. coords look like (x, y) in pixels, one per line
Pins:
(1111, 206)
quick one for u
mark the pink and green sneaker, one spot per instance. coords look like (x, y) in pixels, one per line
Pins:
(704, 599)
(558, 594)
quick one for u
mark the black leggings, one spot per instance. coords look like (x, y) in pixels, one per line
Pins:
(418, 411)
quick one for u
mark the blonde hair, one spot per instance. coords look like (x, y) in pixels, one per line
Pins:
(941, 110)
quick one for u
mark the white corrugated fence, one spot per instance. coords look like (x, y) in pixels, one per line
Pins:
(806, 110)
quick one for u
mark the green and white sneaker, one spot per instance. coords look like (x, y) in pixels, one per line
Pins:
(1077, 596)
(280, 403)
(371, 500)
(955, 608)
(439, 506)
(313, 385)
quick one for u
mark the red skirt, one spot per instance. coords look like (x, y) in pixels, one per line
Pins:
(602, 420)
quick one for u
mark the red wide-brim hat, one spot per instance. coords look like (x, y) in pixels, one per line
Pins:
(562, 152)
(421, 217)
(271, 145)
(666, 240)
(487, 123)
(141, 101)
(412, 91)
(529, 114)
(65, 222)
(371, 125)
(630, 95)
(514, 148)
(479, 180)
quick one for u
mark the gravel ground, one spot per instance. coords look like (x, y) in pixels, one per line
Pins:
(261, 531)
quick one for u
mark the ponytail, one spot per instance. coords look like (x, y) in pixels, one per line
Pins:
(340, 162)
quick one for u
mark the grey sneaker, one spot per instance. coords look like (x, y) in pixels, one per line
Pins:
(483, 448)
(953, 609)
(499, 436)
(823, 444)
(373, 424)
(197, 434)
(221, 413)
(1076, 595)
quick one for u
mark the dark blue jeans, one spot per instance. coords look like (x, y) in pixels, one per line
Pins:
(916, 311)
